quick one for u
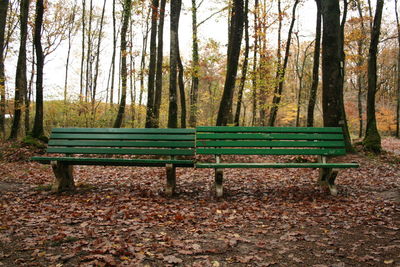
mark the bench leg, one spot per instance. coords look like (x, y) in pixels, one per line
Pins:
(64, 179)
(219, 177)
(327, 177)
(171, 180)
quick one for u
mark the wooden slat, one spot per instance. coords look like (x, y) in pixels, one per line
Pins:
(114, 161)
(240, 143)
(167, 137)
(112, 143)
(121, 151)
(267, 136)
(125, 130)
(239, 151)
(277, 165)
(228, 129)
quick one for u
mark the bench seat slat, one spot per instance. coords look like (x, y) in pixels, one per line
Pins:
(227, 129)
(114, 161)
(241, 151)
(125, 130)
(125, 136)
(112, 143)
(268, 136)
(277, 165)
(246, 143)
(120, 151)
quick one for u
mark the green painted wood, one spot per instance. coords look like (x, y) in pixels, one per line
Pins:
(239, 151)
(227, 129)
(112, 143)
(276, 165)
(92, 136)
(267, 136)
(119, 151)
(114, 161)
(125, 130)
(240, 143)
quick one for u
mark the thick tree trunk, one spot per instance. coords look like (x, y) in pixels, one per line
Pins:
(159, 74)
(124, 70)
(3, 21)
(331, 69)
(235, 39)
(315, 72)
(20, 76)
(372, 140)
(38, 130)
(150, 122)
(245, 63)
(173, 103)
(281, 71)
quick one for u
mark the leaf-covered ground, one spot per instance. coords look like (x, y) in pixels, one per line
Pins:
(268, 217)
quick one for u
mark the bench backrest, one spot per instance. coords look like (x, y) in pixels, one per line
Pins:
(169, 142)
(225, 140)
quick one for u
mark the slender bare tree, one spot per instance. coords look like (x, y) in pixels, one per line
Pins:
(38, 130)
(124, 71)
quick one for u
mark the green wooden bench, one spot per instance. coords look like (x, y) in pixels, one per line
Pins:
(322, 142)
(168, 148)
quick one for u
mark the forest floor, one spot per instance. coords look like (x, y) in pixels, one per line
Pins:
(268, 217)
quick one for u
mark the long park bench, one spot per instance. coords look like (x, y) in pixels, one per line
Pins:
(321, 142)
(169, 148)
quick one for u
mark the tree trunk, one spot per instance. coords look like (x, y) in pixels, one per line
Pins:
(398, 74)
(83, 49)
(372, 140)
(38, 130)
(143, 63)
(96, 70)
(150, 119)
(245, 63)
(181, 86)
(70, 30)
(113, 55)
(235, 39)
(159, 74)
(315, 72)
(331, 70)
(173, 106)
(281, 72)
(360, 73)
(3, 21)
(254, 79)
(124, 70)
(343, 119)
(300, 69)
(89, 56)
(194, 90)
(20, 76)
(28, 96)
